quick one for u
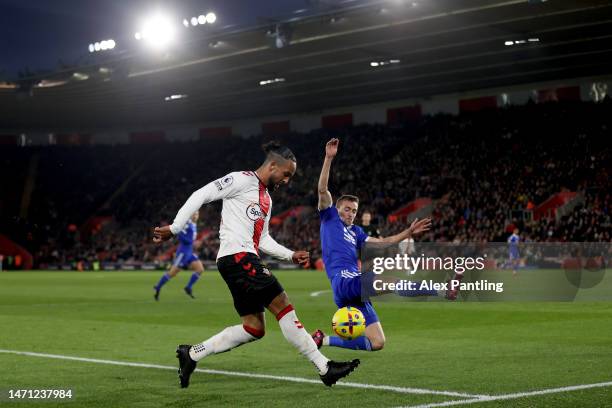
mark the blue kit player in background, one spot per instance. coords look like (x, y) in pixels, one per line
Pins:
(184, 258)
(513, 250)
(340, 243)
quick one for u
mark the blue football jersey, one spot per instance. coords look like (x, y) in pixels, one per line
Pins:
(513, 242)
(187, 236)
(340, 244)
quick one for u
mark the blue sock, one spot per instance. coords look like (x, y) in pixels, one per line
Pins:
(162, 281)
(194, 278)
(360, 343)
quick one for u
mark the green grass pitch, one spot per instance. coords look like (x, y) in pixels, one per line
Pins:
(472, 348)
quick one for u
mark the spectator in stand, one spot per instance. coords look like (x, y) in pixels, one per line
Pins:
(483, 170)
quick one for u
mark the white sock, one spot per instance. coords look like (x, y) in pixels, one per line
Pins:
(326, 341)
(225, 340)
(295, 334)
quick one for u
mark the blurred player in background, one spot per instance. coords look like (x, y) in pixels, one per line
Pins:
(367, 226)
(184, 258)
(513, 250)
(340, 244)
(246, 213)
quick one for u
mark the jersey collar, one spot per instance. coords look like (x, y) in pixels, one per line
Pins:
(260, 181)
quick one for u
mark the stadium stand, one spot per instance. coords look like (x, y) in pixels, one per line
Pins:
(484, 171)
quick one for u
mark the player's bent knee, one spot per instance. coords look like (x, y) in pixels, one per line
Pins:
(282, 300)
(377, 343)
(279, 303)
(198, 267)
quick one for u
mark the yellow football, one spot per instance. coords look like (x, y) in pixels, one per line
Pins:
(348, 323)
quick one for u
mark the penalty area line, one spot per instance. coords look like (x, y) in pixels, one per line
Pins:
(513, 396)
(389, 388)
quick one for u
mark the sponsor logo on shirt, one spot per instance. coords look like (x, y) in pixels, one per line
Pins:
(254, 212)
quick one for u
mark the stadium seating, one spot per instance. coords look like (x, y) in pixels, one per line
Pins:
(485, 172)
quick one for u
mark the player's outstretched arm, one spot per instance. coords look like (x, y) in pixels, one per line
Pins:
(325, 198)
(215, 190)
(417, 227)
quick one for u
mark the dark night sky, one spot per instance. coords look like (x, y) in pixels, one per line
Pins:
(38, 34)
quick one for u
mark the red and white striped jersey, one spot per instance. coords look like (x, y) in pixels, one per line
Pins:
(247, 208)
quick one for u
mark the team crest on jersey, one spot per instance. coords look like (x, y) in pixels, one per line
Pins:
(266, 271)
(224, 182)
(254, 212)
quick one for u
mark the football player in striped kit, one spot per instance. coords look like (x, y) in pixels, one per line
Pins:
(243, 233)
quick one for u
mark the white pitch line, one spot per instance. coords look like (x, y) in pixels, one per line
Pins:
(317, 293)
(513, 396)
(403, 390)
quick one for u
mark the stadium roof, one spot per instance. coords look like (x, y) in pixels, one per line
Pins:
(443, 46)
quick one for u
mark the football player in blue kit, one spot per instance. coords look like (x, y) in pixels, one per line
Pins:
(184, 258)
(340, 243)
(513, 250)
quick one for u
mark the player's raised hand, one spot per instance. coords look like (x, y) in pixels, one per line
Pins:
(419, 226)
(331, 148)
(300, 257)
(161, 234)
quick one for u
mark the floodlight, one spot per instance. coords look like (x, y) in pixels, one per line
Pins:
(158, 31)
(211, 18)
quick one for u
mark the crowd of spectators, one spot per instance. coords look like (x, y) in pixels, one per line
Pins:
(485, 171)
